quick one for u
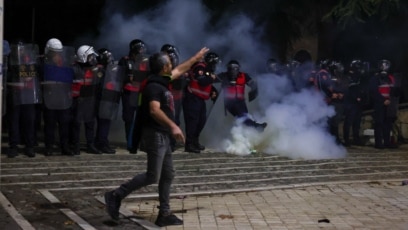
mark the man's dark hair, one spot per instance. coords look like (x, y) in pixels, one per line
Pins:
(157, 61)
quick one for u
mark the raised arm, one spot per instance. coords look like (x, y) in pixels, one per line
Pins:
(183, 67)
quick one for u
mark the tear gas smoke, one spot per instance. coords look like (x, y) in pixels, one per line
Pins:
(295, 121)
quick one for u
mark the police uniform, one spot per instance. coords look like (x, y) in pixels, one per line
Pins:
(194, 104)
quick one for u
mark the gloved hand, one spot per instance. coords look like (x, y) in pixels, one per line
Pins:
(252, 95)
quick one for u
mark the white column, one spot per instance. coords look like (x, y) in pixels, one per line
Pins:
(1, 59)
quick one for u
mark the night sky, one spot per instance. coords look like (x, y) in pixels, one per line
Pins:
(37, 21)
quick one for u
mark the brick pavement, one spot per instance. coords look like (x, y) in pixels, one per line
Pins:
(365, 204)
(358, 205)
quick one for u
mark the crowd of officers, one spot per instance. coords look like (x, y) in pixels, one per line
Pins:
(351, 88)
(65, 88)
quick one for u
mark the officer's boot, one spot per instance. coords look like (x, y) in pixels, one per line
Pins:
(261, 126)
(48, 150)
(29, 151)
(190, 147)
(12, 152)
(90, 148)
(197, 145)
(76, 149)
(65, 150)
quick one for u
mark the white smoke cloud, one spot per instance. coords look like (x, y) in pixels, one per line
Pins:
(296, 124)
(295, 120)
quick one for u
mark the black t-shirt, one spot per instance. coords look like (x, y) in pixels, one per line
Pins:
(157, 90)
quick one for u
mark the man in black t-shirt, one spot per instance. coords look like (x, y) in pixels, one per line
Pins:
(156, 116)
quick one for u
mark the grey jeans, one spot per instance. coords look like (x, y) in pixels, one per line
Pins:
(159, 168)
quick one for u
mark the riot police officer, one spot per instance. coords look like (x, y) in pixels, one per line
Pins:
(325, 83)
(381, 92)
(58, 75)
(198, 90)
(353, 103)
(24, 93)
(339, 86)
(108, 99)
(275, 67)
(84, 92)
(233, 85)
(176, 86)
(136, 66)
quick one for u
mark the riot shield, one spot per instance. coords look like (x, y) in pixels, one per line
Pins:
(23, 82)
(58, 77)
(138, 78)
(86, 110)
(111, 90)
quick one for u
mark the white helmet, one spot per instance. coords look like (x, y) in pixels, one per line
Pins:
(53, 44)
(83, 52)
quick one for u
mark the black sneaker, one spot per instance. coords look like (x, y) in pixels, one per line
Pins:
(112, 203)
(167, 220)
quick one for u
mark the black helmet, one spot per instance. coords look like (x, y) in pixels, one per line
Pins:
(233, 70)
(355, 71)
(294, 64)
(356, 66)
(137, 46)
(233, 64)
(173, 53)
(384, 65)
(336, 68)
(212, 59)
(169, 49)
(105, 57)
(324, 63)
(272, 65)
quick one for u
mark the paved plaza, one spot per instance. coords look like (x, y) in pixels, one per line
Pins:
(211, 190)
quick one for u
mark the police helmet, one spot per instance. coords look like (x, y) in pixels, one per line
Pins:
(324, 63)
(137, 46)
(53, 44)
(83, 52)
(173, 53)
(105, 56)
(212, 58)
(384, 65)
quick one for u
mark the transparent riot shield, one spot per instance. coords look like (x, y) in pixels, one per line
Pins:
(58, 77)
(23, 81)
(111, 90)
(87, 100)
